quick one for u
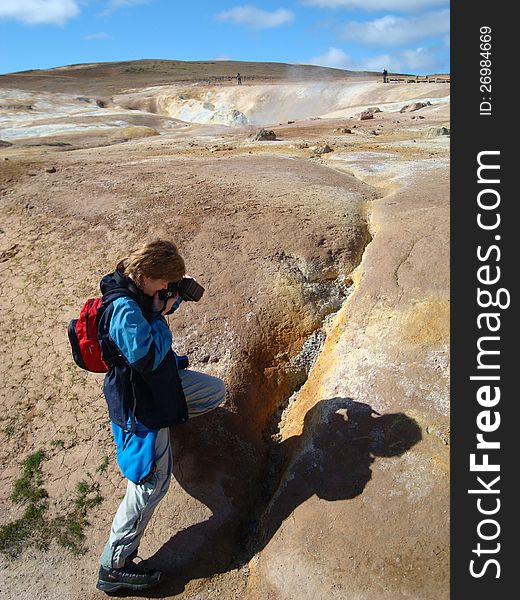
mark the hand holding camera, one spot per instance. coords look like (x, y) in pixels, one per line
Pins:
(162, 304)
(187, 288)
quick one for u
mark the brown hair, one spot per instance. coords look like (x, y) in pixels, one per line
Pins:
(157, 259)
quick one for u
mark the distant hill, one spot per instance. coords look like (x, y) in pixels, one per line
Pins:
(113, 77)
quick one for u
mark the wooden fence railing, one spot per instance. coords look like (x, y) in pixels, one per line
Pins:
(418, 79)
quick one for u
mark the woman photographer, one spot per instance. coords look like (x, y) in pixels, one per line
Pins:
(146, 391)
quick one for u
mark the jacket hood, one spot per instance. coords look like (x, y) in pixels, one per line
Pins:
(116, 284)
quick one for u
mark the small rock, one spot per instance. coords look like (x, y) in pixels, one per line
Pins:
(51, 170)
(10, 253)
(437, 131)
(414, 106)
(290, 122)
(17, 106)
(323, 150)
(264, 135)
(368, 113)
(343, 130)
(221, 148)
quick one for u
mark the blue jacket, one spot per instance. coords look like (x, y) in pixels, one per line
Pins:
(143, 381)
(135, 451)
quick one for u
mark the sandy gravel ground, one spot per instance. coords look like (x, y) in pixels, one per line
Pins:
(276, 231)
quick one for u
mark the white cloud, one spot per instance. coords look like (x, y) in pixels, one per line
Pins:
(368, 5)
(334, 57)
(100, 35)
(420, 59)
(256, 17)
(405, 61)
(39, 12)
(398, 31)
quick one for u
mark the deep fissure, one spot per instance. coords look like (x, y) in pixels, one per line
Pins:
(272, 469)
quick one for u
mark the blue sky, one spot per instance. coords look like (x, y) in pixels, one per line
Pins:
(409, 36)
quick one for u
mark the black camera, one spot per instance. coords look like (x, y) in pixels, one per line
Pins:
(187, 288)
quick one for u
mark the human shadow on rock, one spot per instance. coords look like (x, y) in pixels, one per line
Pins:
(331, 458)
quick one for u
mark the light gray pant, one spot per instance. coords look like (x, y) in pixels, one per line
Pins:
(203, 393)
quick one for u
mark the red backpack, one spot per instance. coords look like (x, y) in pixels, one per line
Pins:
(83, 337)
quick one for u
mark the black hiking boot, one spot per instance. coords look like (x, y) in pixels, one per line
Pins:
(131, 577)
(131, 557)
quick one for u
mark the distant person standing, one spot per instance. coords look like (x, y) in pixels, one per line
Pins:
(239, 79)
(385, 73)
